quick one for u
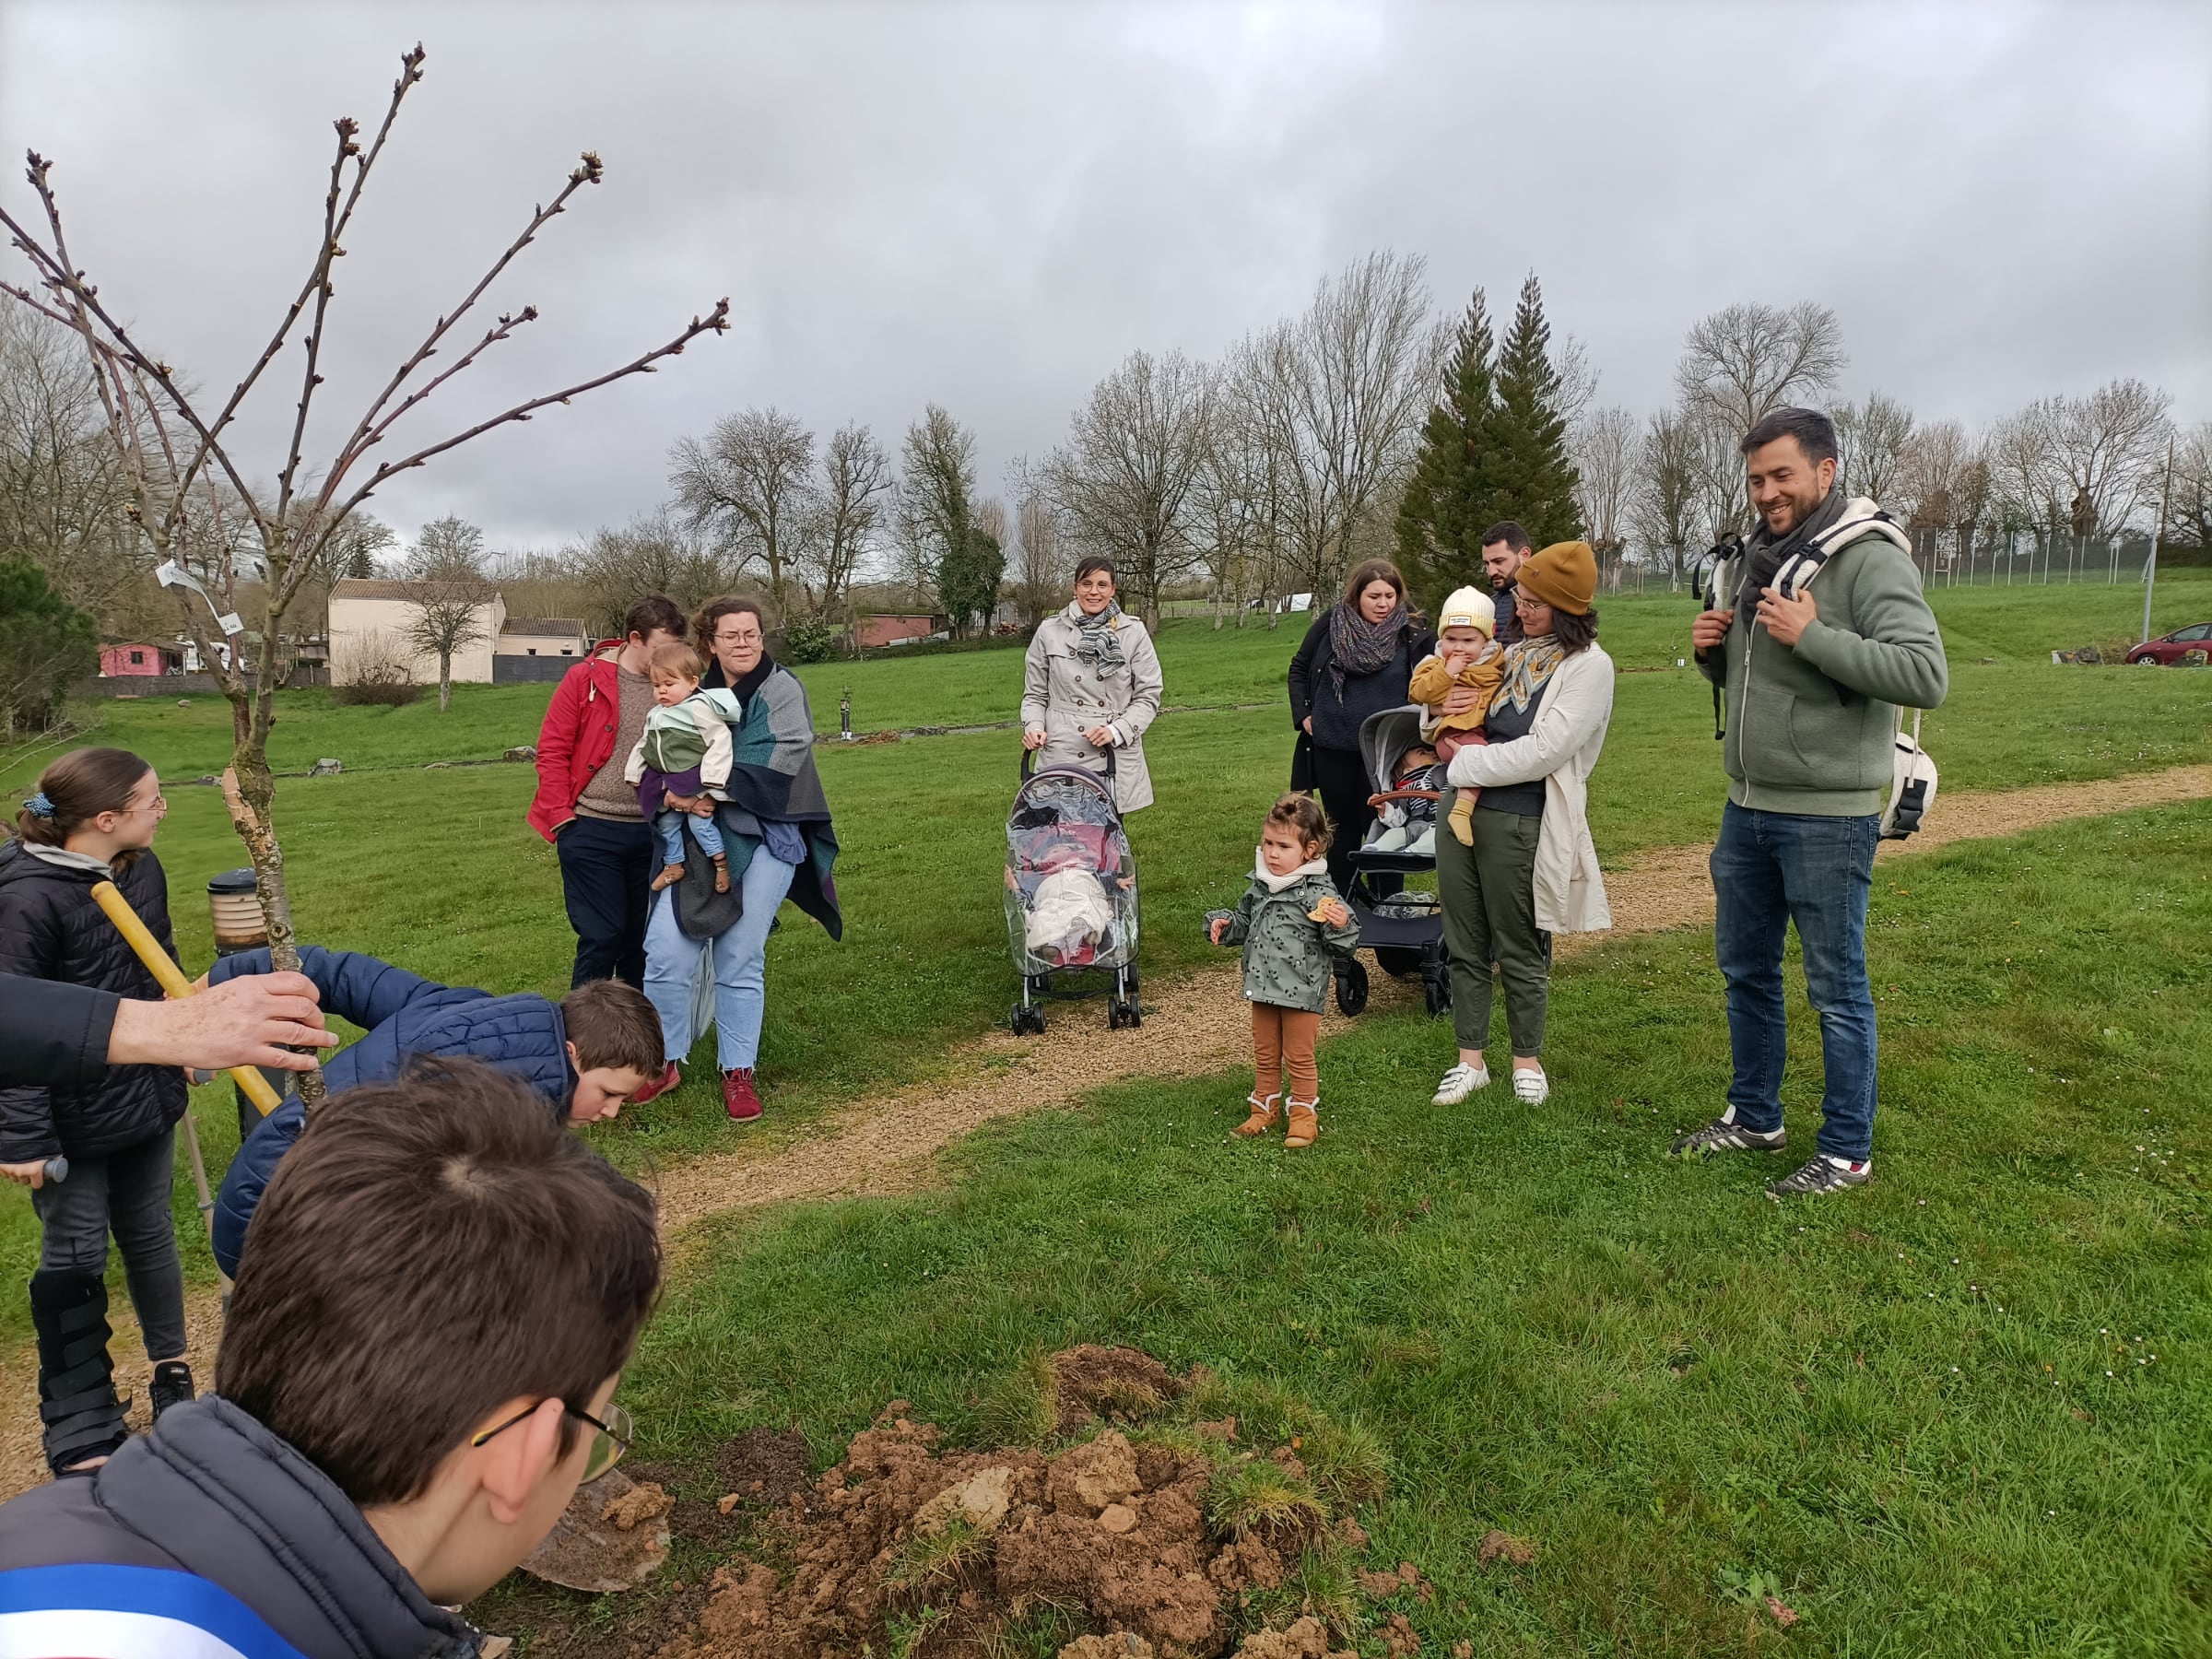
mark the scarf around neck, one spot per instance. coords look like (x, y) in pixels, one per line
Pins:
(1098, 638)
(1765, 556)
(1359, 646)
(1275, 884)
(1529, 664)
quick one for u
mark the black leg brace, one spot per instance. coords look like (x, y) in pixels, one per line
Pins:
(77, 1379)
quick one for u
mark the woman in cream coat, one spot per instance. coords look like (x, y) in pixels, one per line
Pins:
(1092, 683)
(1532, 872)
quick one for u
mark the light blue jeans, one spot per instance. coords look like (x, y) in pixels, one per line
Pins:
(673, 958)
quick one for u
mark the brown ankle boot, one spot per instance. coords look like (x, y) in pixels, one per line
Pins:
(1305, 1123)
(722, 872)
(1264, 1114)
(670, 875)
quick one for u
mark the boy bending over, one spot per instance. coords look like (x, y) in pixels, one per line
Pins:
(585, 1057)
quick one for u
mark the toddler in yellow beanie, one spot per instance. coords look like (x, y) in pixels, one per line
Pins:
(1467, 654)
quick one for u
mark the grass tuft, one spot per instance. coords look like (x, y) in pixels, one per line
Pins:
(1347, 1462)
(1020, 1407)
(1254, 1496)
(937, 1557)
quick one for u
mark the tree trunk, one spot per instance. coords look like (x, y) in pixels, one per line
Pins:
(445, 680)
(250, 792)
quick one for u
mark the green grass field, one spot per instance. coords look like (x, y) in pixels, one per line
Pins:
(435, 869)
(1929, 1413)
(1648, 1369)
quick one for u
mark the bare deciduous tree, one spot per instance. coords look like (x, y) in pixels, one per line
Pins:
(847, 519)
(2189, 497)
(449, 605)
(1746, 359)
(752, 479)
(174, 453)
(1042, 587)
(1608, 453)
(1123, 483)
(1664, 508)
(2088, 465)
(654, 553)
(63, 492)
(936, 494)
(1873, 438)
(1337, 396)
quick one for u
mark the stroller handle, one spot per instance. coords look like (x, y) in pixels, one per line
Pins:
(1028, 762)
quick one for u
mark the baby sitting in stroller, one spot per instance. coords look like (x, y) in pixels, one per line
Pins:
(1408, 811)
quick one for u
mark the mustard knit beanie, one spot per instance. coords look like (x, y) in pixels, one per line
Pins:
(1564, 576)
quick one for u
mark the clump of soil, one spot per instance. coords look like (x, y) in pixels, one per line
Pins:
(1132, 1547)
(1120, 1385)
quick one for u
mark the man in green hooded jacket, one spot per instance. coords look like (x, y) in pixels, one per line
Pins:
(1814, 675)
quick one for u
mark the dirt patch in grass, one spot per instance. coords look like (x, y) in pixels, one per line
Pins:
(764, 1465)
(1117, 1383)
(1142, 1539)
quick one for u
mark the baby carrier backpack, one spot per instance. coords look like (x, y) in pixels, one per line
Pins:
(1911, 773)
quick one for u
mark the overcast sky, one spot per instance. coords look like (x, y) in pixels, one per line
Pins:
(989, 205)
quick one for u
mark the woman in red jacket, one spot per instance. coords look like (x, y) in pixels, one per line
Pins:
(584, 808)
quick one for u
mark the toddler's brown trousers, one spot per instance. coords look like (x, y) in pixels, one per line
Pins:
(1282, 1040)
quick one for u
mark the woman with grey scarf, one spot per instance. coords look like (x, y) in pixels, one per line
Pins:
(1092, 684)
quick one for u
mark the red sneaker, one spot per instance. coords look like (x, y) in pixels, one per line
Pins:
(669, 1079)
(738, 1094)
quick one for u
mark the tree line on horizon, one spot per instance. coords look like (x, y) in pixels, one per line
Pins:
(1363, 425)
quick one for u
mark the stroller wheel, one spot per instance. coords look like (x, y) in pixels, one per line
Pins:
(1019, 1018)
(1114, 1014)
(1436, 989)
(1351, 987)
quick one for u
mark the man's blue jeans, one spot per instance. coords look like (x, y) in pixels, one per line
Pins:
(1771, 869)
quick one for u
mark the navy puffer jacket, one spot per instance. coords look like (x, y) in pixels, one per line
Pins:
(51, 929)
(404, 1015)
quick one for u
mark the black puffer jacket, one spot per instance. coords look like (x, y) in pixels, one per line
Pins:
(51, 929)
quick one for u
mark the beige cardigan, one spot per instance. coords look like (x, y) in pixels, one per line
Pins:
(1562, 748)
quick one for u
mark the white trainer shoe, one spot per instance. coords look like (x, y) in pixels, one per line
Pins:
(1459, 1083)
(1531, 1088)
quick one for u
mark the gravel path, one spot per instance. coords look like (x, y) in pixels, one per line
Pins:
(1198, 1028)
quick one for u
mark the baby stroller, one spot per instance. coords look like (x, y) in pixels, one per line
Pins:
(1405, 930)
(1071, 893)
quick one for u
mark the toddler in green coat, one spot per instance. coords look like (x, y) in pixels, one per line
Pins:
(1290, 922)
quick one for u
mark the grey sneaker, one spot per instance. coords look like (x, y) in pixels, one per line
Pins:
(1725, 1134)
(1824, 1174)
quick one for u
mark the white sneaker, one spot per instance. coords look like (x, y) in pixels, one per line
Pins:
(1459, 1083)
(1531, 1088)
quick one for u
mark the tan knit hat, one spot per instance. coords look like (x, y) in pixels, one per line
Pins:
(1564, 576)
(1470, 607)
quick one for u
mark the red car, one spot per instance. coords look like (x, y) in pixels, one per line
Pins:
(2169, 650)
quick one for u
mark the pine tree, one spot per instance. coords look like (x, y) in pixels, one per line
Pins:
(1447, 500)
(1533, 478)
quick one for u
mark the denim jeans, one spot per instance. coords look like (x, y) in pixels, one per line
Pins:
(1771, 869)
(671, 825)
(673, 958)
(126, 1193)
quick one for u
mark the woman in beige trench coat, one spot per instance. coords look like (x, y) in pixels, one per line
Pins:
(1092, 683)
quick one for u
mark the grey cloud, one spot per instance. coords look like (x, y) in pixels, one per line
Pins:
(989, 205)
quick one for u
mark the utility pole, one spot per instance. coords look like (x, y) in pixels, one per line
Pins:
(2150, 569)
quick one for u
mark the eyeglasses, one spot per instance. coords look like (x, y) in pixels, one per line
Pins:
(1521, 602)
(607, 1446)
(749, 636)
(159, 807)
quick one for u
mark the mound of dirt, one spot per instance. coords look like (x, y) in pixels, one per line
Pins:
(1119, 1384)
(907, 1548)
